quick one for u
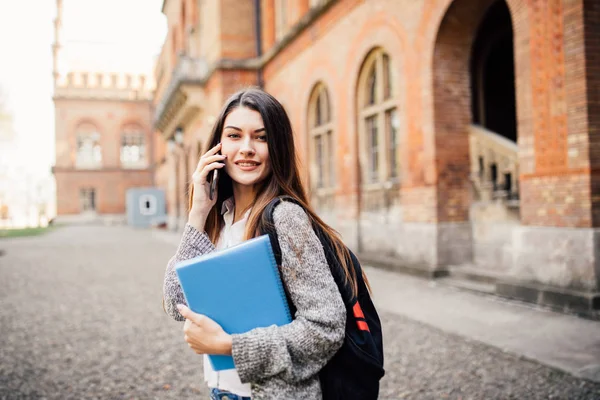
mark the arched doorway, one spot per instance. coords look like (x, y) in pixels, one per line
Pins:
(474, 104)
(493, 73)
(493, 106)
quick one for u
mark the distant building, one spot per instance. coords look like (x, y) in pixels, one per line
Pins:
(441, 137)
(103, 139)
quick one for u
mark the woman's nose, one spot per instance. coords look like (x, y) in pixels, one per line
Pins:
(246, 148)
(247, 151)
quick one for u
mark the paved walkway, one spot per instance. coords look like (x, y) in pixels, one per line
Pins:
(561, 341)
(81, 318)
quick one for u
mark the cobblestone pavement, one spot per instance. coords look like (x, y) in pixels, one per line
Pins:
(81, 318)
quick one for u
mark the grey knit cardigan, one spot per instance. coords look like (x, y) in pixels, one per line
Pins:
(281, 362)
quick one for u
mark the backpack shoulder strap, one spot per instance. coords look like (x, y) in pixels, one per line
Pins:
(269, 227)
(269, 224)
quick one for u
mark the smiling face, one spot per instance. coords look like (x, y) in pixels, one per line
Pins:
(244, 142)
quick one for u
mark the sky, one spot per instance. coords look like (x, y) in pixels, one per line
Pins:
(106, 35)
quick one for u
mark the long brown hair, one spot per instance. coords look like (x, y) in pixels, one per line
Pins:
(283, 180)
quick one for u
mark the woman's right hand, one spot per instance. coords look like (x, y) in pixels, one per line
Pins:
(201, 203)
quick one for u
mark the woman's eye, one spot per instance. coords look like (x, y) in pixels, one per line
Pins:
(263, 138)
(233, 135)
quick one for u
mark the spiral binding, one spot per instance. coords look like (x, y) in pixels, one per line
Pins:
(280, 280)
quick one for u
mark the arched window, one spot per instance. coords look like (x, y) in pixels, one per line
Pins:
(133, 147)
(378, 119)
(322, 148)
(89, 151)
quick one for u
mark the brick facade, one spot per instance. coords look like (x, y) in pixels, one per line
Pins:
(429, 218)
(592, 76)
(111, 179)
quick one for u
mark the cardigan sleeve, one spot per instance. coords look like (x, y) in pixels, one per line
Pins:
(297, 351)
(193, 244)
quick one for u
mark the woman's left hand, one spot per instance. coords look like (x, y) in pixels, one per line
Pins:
(203, 334)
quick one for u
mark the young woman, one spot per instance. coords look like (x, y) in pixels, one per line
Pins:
(252, 146)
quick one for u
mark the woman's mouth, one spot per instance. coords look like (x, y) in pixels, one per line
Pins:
(247, 165)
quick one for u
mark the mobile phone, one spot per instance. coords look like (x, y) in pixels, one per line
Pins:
(213, 184)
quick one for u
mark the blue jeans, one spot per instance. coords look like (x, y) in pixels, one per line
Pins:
(220, 394)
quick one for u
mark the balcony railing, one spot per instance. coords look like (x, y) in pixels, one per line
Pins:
(494, 166)
(187, 70)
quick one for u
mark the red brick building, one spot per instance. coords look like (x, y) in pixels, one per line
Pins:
(438, 136)
(103, 139)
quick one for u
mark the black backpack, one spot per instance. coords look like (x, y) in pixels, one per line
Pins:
(355, 370)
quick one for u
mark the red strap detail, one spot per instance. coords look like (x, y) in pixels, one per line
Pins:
(358, 313)
(363, 326)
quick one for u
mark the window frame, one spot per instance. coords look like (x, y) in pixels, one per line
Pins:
(88, 199)
(133, 132)
(374, 175)
(321, 131)
(92, 157)
(393, 138)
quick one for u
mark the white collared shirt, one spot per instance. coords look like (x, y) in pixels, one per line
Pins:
(231, 235)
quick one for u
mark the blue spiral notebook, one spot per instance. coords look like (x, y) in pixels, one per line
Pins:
(239, 288)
